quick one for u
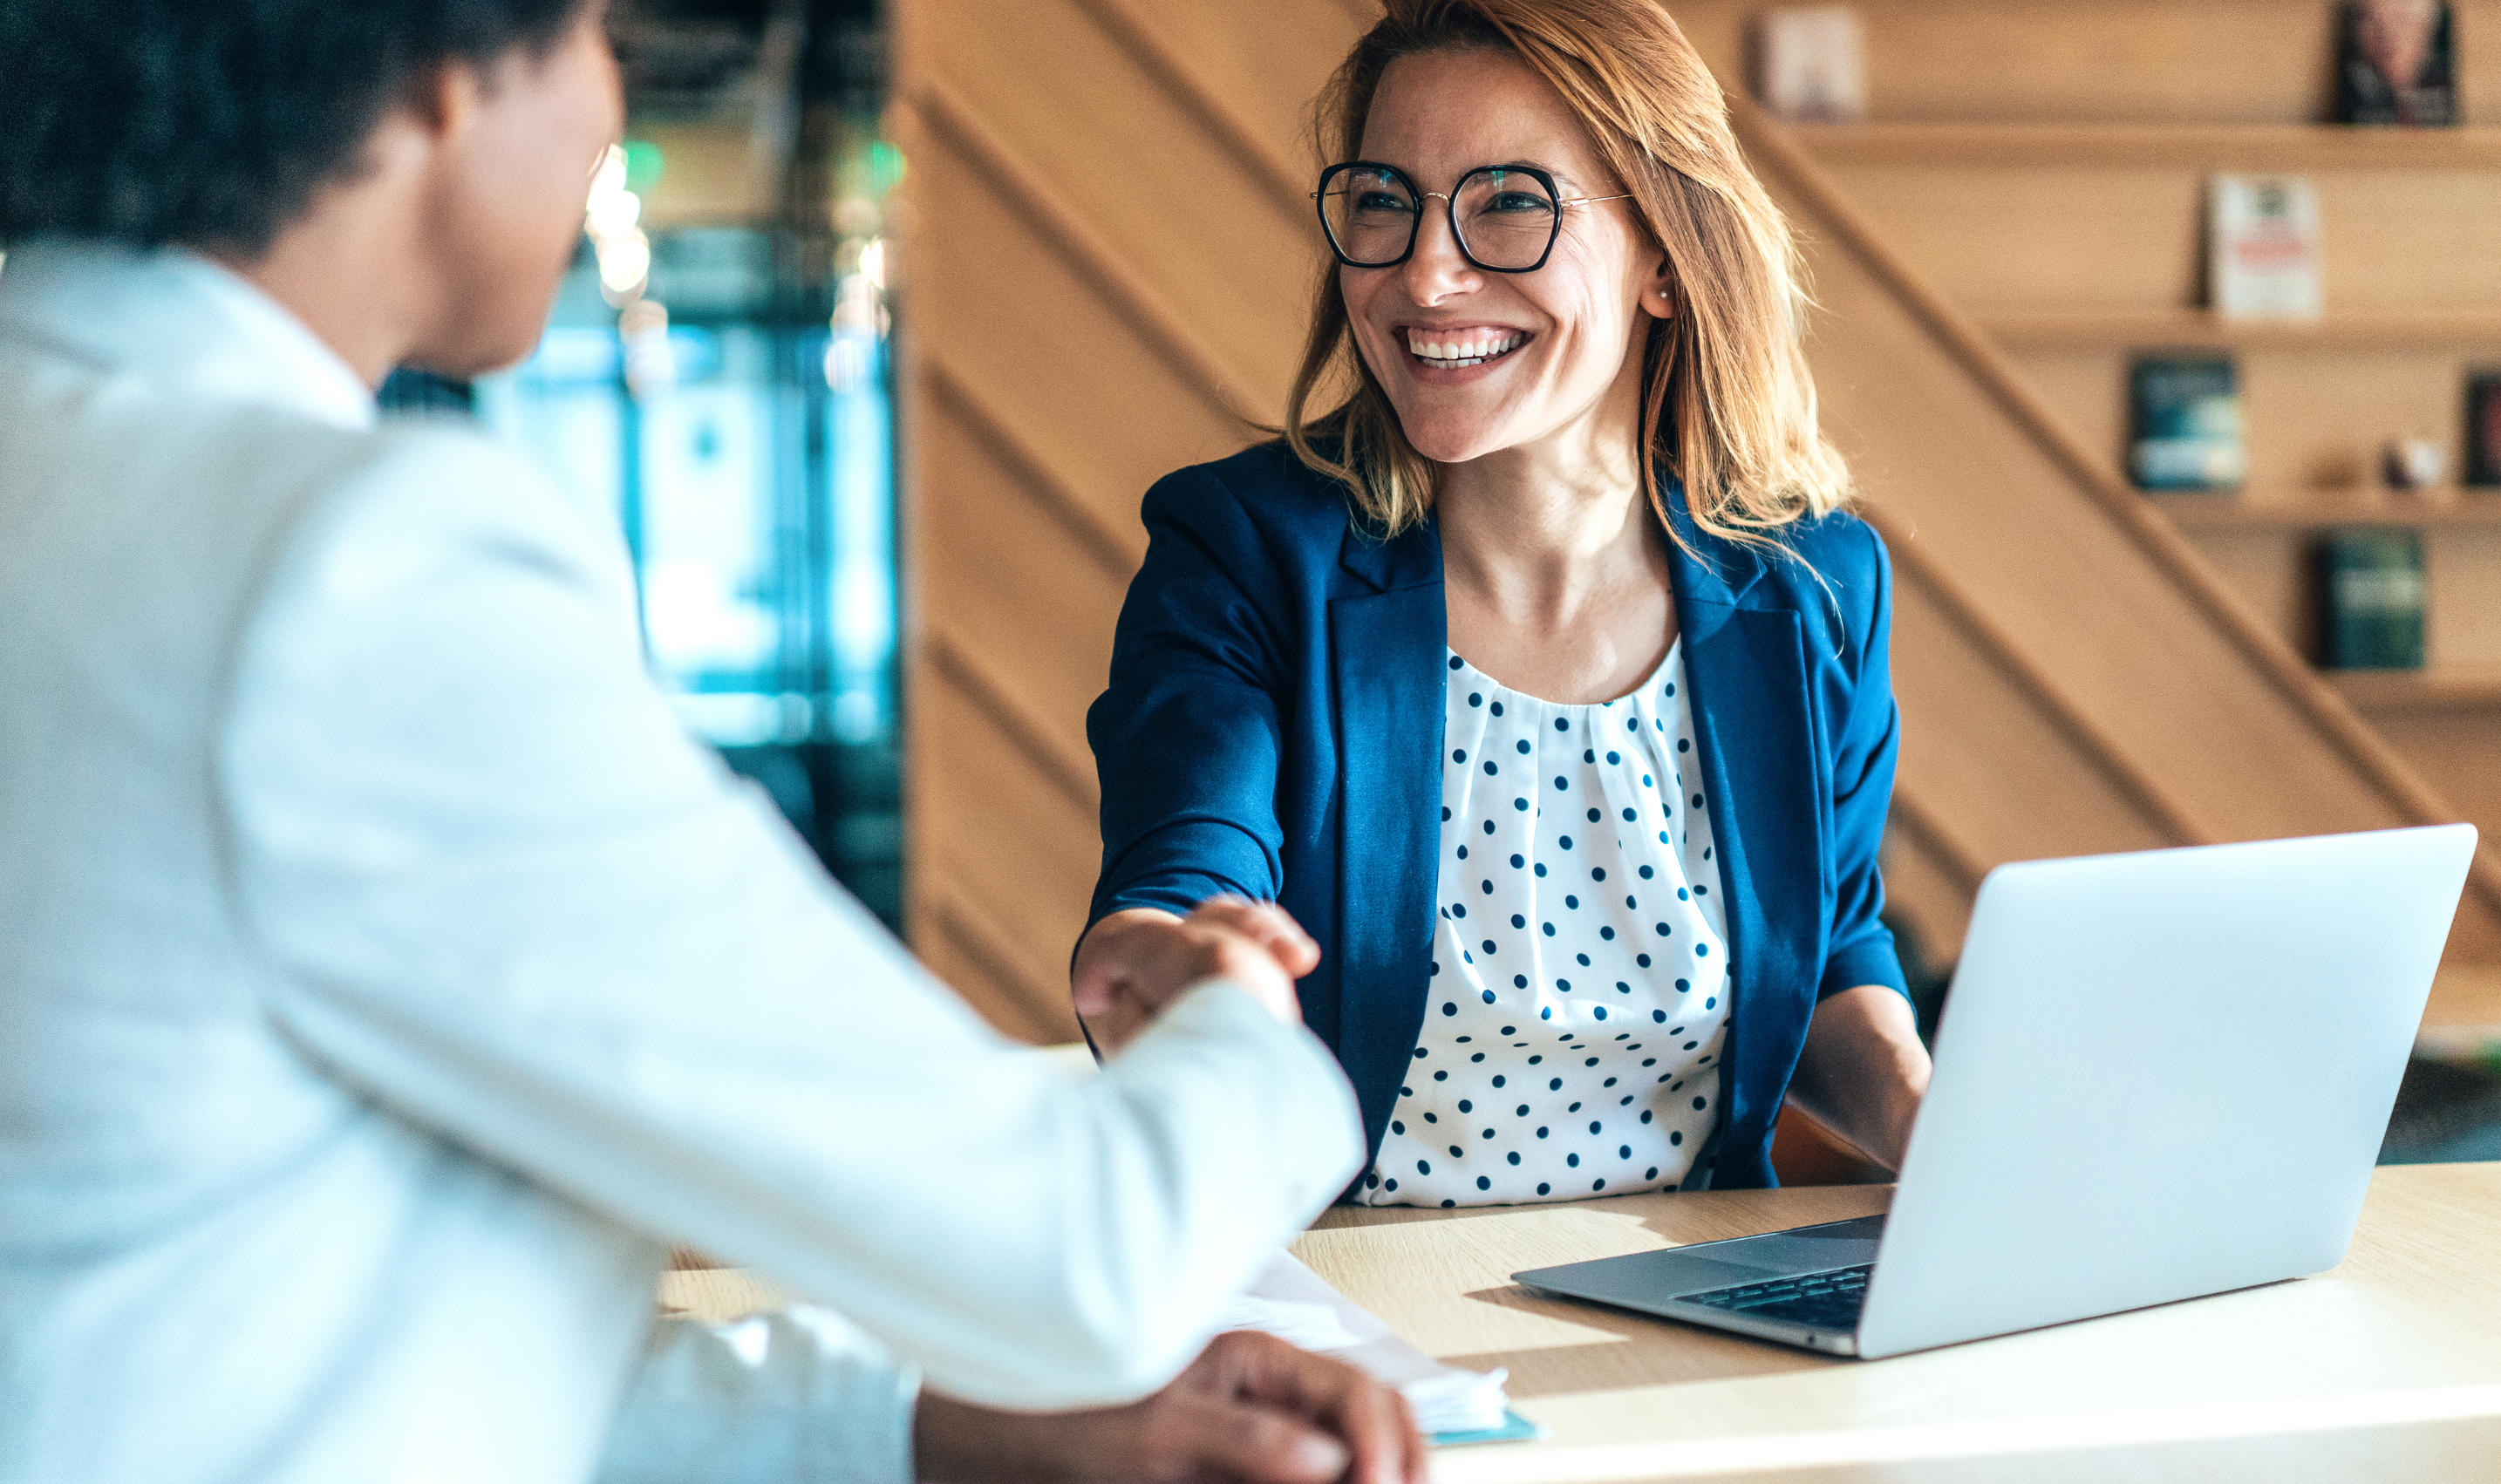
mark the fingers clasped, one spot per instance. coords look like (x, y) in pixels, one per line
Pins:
(1134, 963)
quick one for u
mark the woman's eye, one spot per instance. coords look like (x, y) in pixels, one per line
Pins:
(1378, 201)
(1510, 201)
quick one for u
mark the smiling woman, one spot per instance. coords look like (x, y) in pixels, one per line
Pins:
(1631, 115)
(1544, 677)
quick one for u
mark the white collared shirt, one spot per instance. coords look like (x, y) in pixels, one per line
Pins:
(385, 977)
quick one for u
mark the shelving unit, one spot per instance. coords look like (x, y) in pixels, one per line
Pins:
(2379, 691)
(2078, 246)
(2226, 146)
(2305, 510)
(2157, 329)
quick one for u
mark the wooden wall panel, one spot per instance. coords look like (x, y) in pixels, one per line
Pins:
(1264, 78)
(998, 846)
(2431, 735)
(1020, 589)
(1194, 232)
(1101, 271)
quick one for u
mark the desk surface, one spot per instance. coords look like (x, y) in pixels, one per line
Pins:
(2387, 1368)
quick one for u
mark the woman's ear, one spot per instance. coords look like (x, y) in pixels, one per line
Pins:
(1658, 291)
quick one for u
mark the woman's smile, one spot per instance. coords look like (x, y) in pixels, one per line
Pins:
(1446, 356)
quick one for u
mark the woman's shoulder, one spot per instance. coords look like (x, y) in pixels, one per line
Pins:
(1833, 572)
(1837, 545)
(1263, 494)
(1834, 564)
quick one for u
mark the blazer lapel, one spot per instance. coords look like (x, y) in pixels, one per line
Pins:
(1745, 668)
(1385, 643)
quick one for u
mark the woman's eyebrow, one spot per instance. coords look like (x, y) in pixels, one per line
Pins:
(1564, 180)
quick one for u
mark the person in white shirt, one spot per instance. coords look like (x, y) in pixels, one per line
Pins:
(385, 980)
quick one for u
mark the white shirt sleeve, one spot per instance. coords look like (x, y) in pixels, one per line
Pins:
(510, 899)
(794, 1398)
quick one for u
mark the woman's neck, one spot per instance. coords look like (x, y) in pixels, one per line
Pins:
(1554, 569)
(1537, 529)
(1533, 535)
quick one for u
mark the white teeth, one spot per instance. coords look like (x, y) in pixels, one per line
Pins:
(1470, 353)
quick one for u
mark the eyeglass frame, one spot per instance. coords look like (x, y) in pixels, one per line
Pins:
(1450, 209)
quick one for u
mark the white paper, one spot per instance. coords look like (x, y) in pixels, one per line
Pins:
(1290, 1302)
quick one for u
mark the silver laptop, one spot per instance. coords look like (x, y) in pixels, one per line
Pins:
(2161, 1076)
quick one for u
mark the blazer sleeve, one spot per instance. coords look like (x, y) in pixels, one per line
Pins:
(1867, 736)
(1187, 736)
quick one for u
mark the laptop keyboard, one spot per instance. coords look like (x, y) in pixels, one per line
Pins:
(1824, 1300)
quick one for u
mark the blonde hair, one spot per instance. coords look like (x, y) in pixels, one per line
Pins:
(1728, 402)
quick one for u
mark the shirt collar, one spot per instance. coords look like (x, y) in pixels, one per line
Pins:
(171, 317)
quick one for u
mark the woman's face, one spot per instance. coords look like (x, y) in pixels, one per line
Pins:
(1547, 348)
(506, 206)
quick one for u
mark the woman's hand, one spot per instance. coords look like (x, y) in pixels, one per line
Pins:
(1250, 1408)
(1864, 1071)
(1134, 963)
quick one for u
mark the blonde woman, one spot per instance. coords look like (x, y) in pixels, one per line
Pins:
(1541, 678)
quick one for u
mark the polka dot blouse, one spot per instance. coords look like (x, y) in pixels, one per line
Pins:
(1578, 1001)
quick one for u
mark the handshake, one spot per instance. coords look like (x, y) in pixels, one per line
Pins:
(1134, 963)
(1252, 1407)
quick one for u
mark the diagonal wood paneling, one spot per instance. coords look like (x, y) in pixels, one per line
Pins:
(1106, 267)
(1108, 253)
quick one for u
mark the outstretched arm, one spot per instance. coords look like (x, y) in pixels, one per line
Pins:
(511, 902)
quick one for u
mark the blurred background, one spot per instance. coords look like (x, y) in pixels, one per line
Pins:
(718, 377)
(887, 315)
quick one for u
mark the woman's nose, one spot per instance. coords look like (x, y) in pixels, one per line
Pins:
(1437, 269)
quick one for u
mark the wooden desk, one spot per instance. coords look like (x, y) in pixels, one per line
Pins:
(2386, 1369)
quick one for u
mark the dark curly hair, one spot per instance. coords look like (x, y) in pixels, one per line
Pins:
(212, 123)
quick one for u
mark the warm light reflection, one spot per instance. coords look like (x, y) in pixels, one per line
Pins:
(611, 220)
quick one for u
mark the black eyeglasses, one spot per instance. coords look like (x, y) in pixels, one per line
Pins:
(1504, 217)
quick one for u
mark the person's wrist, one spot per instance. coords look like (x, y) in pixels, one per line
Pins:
(1270, 991)
(954, 1442)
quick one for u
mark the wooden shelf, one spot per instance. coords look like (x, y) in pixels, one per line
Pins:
(2292, 512)
(2372, 691)
(2172, 329)
(2226, 146)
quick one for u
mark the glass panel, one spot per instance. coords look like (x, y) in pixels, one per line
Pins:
(710, 588)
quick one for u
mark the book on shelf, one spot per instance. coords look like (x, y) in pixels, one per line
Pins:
(2262, 247)
(2373, 581)
(2184, 418)
(1810, 64)
(2484, 429)
(2394, 64)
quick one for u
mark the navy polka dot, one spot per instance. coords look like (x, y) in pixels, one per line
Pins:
(1598, 937)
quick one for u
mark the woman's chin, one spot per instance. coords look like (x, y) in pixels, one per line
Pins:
(1452, 440)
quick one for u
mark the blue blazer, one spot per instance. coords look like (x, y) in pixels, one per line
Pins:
(1273, 728)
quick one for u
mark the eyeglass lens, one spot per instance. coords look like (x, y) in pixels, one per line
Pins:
(1505, 219)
